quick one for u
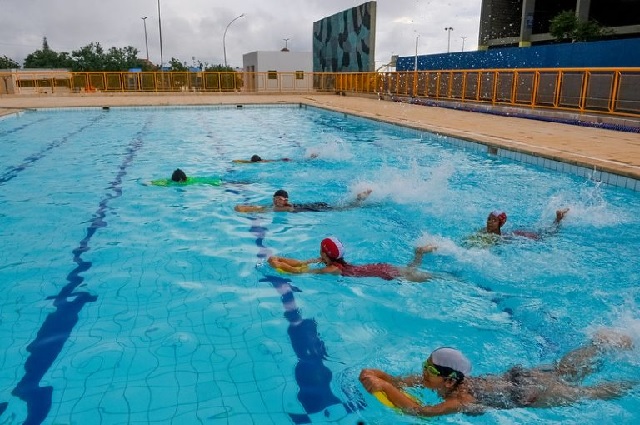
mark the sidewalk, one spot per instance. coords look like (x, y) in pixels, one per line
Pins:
(607, 150)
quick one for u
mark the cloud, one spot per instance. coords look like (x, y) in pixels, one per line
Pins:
(195, 28)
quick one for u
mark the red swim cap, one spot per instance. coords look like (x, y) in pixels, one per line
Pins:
(332, 247)
(501, 215)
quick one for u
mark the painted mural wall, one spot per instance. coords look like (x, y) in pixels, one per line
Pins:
(345, 42)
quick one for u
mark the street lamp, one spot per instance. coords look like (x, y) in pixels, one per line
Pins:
(160, 28)
(224, 36)
(415, 63)
(146, 41)
(448, 30)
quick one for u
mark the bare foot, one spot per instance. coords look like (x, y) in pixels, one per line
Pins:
(609, 390)
(560, 214)
(613, 339)
(425, 249)
(363, 195)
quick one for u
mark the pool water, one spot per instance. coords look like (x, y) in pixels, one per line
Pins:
(129, 303)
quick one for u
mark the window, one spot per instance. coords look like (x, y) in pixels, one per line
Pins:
(299, 75)
(272, 75)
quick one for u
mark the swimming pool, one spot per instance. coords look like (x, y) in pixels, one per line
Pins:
(127, 303)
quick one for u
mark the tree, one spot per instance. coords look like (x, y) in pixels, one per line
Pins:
(177, 66)
(121, 59)
(8, 63)
(591, 30)
(93, 58)
(88, 58)
(47, 58)
(219, 68)
(565, 26)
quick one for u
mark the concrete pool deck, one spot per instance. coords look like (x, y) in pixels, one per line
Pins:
(615, 152)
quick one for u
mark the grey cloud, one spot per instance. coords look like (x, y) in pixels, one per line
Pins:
(194, 28)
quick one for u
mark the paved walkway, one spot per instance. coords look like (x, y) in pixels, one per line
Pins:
(607, 150)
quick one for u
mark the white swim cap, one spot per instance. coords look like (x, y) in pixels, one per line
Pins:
(451, 358)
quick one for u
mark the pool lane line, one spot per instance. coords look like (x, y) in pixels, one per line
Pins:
(13, 172)
(59, 324)
(22, 127)
(311, 375)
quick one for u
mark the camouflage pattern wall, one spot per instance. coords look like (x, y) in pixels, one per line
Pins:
(346, 41)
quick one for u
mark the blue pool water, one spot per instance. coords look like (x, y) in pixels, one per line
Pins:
(128, 303)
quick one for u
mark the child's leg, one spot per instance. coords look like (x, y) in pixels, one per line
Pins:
(580, 362)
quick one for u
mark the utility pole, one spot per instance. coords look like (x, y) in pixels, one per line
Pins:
(448, 30)
(146, 40)
(160, 28)
(224, 36)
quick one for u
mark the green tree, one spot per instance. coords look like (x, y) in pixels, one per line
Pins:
(89, 58)
(565, 26)
(47, 58)
(219, 68)
(591, 30)
(93, 58)
(121, 59)
(8, 63)
(177, 66)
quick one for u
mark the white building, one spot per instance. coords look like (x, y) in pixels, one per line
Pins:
(278, 71)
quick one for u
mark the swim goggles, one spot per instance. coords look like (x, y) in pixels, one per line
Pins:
(430, 368)
(443, 371)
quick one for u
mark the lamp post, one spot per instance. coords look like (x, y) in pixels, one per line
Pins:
(146, 40)
(448, 30)
(224, 36)
(160, 28)
(415, 62)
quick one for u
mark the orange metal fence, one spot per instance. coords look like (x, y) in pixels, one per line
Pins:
(40, 82)
(614, 91)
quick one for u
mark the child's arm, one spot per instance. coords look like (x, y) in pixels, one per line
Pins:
(250, 208)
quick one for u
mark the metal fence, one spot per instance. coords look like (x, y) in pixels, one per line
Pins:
(614, 91)
(38, 82)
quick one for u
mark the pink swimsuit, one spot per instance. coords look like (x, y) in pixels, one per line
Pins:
(381, 270)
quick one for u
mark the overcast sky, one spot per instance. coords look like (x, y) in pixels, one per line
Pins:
(195, 28)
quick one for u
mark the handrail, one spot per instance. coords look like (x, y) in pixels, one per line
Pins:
(609, 91)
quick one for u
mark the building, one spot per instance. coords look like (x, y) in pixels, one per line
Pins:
(508, 23)
(278, 71)
(35, 81)
(346, 41)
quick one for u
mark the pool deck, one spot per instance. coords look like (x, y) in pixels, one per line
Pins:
(616, 152)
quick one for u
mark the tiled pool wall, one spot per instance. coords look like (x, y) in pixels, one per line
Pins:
(591, 173)
(565, 167)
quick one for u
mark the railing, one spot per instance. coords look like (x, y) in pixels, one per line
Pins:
(250, 82)
(614, 91)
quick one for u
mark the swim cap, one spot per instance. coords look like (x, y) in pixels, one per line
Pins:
(502, 216)
(282, 193)
(178, 176)
(451, 358)
(256, 158)
(332, 247)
